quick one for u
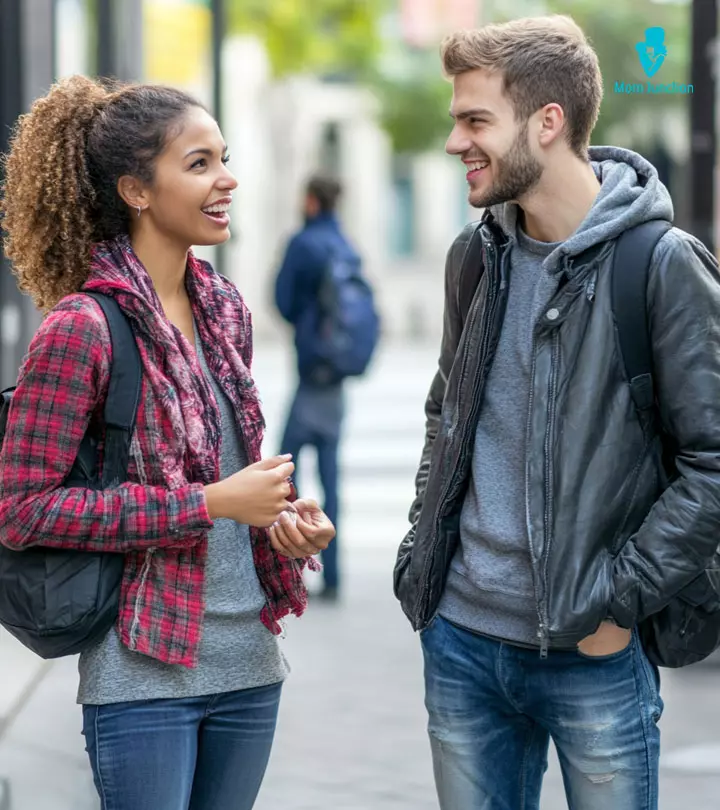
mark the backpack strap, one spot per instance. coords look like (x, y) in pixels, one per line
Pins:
(123, 393)
(630, 269)
(471, 270)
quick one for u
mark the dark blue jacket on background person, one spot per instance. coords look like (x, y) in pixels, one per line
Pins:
(305, 261)
(316, 413)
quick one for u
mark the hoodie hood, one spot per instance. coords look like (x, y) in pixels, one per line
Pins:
(630, 193)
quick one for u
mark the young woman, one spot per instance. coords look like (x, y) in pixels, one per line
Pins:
(106, 191)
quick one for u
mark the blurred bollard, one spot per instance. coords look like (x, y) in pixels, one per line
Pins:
(416, 322)
(703, 140)
(4, 795)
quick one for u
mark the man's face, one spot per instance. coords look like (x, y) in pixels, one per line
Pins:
(494, 147)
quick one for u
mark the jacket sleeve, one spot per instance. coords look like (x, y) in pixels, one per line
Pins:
(63, 379)
(452, 330)
(290, 278)
(680, 534)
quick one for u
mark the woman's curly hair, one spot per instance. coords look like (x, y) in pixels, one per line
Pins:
(61, 173)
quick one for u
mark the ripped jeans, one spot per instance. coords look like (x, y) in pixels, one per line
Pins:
(493, 708)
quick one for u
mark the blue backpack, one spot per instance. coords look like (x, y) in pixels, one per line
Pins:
(337, 337)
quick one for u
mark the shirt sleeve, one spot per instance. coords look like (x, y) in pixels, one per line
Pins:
(63, 380)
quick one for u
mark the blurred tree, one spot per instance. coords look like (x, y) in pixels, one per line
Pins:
(329, 37)
(415, 103)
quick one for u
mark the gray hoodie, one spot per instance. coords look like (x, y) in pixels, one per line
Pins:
(490, 584)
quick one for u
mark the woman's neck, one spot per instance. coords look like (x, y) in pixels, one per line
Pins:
(165, 263)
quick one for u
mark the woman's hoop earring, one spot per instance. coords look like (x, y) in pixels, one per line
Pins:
(139, 210)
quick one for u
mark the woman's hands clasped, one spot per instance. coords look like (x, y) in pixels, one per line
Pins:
(256, 495)
(302, 530)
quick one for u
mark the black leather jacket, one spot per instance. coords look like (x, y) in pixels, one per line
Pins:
(607, 539)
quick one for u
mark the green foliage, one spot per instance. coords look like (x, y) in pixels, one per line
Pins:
(415, 115)
(415, 103)
(312, 36)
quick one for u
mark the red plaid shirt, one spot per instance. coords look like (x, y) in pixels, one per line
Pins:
(162, 531)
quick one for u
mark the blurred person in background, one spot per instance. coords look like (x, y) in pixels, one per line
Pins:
(106, 191)
(313, 255)
(543, 532)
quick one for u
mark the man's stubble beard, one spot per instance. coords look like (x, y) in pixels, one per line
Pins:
(518, 172)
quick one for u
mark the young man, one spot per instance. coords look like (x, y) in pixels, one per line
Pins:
(316, 414)
(540, 539)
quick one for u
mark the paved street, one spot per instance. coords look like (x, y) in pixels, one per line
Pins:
(352, 728)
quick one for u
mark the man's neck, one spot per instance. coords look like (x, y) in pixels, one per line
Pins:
(321, 217)
(553, 211)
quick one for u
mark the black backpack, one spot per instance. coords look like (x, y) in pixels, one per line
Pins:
(58, 602)
(687, 630)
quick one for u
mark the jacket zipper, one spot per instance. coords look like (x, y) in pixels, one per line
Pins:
(542, 600)
(549, 471)
(590, 287)
(536, 585)
(422, 602)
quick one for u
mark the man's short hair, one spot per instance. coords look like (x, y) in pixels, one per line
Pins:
(326, 190)
(542, 60)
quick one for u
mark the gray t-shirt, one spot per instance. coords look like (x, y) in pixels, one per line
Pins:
(236, 651)
(490, 584)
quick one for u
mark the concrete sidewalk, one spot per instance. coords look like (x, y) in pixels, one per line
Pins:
(20, 670)
(41, 750)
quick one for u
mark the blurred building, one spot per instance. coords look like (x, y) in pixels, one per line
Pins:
(401, 210)
(19, 77)
(280, 132)
(41, 40)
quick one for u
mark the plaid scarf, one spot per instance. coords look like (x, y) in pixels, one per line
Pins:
(187, 439)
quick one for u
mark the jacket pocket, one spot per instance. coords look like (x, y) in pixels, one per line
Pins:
(701, 592)
(402, 587)
(686, 630)
(432, 584)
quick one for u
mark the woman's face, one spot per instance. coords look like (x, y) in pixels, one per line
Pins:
(190, 196)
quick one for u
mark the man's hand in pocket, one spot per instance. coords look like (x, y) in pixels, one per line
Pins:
(606, 640)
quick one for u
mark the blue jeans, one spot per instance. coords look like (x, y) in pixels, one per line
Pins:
(493, 708)
(316, 423)
(205, 753)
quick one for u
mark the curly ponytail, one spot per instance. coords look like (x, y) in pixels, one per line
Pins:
(66, 156)
(48, 196)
